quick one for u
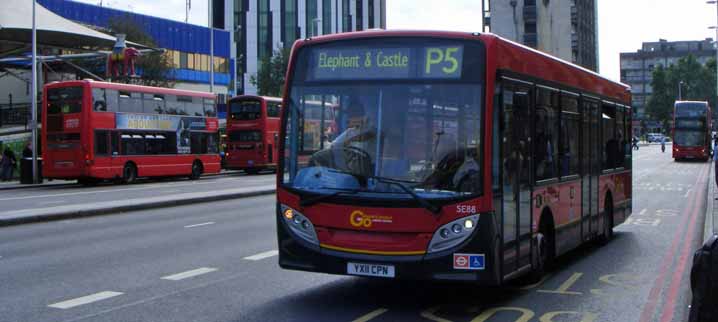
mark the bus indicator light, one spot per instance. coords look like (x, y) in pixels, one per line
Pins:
(289, 214)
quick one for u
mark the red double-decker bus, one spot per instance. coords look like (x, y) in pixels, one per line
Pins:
(453, 156)
(691, 130)
(252, 133)
(93, 131)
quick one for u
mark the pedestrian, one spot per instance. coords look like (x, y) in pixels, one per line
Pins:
(27, 151)
(7, 164)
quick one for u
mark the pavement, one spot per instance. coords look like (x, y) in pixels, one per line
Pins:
(711, 223)
(217, 261)
(64, 200)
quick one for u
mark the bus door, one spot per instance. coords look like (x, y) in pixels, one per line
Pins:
(515, 168)
(590, 168)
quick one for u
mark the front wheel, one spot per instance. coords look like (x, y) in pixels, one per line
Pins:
(129, 174)
(607, 223)
(196, 171)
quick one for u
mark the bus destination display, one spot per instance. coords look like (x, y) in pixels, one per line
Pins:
(358, 63)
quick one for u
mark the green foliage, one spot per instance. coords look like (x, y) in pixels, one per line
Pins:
(156, 68)
(269, 80)
(699, 84)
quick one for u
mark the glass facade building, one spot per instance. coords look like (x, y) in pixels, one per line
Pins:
(281, 22)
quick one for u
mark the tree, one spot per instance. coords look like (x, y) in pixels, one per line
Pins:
(155, 68)
(697, 82)
(269, 79)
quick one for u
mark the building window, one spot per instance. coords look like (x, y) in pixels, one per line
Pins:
(190, 61)
(205, 63)
(326, 17)
(312, 23)
(264, 30)
(360, 15)
(289, 23)
(176, 59)
(197, 62)
(183, 60)
(346, 16)
(371, 14)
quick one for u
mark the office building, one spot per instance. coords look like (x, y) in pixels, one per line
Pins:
(567, 29)
(637, 67)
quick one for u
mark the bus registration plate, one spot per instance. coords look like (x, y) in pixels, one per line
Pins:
(370, 270)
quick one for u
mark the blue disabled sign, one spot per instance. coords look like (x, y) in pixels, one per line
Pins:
(476, 261)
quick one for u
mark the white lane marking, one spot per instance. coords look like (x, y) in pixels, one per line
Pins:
(263, 255)
(643, 211)
(202, 224)
(85, 300)
(371, 315)
(188, 274)
(45, 203)
(687, 192)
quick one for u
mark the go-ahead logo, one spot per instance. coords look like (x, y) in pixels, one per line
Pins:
(359, 219)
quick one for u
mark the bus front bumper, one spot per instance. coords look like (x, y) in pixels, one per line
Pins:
(297, 255)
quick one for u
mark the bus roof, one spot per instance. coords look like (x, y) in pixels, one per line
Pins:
(130, 87)
(257, 97)
(508, 56)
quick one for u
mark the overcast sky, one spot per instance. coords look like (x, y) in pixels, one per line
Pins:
(623, 24)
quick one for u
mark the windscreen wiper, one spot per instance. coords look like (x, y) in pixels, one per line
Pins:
(314, 200)
(399, 183)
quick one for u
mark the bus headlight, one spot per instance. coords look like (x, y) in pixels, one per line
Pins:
(453, 233)
(300, 225)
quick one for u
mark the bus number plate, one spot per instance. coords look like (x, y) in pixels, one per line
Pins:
(375, 270)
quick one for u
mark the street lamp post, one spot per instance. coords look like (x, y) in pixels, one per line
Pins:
(34, 96)
(680, 90)
(211, 47)
(716, 28)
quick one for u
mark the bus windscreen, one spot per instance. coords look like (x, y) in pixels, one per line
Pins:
(685, 109)
(245, 110)
(64, 100)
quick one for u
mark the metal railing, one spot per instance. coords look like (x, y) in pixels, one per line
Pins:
(15, 114)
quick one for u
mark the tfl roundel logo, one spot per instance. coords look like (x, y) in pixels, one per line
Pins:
(469, 261)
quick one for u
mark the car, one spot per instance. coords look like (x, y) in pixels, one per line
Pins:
(654, 137)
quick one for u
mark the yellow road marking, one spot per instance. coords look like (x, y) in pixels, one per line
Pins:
(429, 314)
(563, 289)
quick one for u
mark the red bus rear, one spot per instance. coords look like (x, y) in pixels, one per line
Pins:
(445, 156)
(691, 130)
(93, 131)
(252, 133)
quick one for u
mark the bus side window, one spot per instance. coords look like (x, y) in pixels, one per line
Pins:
(101, 140)
(115, 142)
(210, 108)
(610, 145)
(99, 102)
(272, 109)
(112, 95)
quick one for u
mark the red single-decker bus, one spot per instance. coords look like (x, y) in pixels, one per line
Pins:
(445, 156)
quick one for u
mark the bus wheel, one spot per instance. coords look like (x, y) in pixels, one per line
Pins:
(544, 249)
(607, 222)
(196, 170)
(129, 173)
